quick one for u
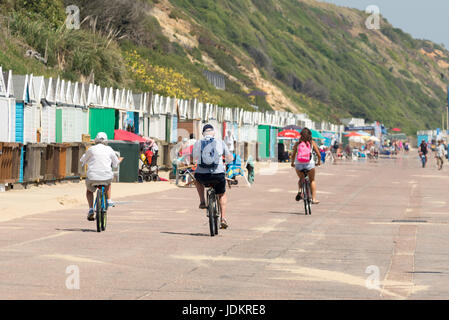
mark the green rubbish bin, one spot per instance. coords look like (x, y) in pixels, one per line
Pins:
(129, 168)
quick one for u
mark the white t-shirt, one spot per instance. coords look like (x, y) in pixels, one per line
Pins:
(440, 150)
(100, 159)
(229, 140)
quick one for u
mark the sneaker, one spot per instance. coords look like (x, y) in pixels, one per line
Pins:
(111, 203)
(224, 224)
(91, 215)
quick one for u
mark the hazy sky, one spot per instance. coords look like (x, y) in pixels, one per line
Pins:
(423, 19)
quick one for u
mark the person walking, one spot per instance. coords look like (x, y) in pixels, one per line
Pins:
(440, 153)
(229, 140)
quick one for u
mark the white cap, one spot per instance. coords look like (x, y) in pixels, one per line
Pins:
(101, 137)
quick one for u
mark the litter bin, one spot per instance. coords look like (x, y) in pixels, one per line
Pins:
(130, 151)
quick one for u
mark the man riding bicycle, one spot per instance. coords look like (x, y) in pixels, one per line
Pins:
(208, 153)
(100, 159)
(423, 150)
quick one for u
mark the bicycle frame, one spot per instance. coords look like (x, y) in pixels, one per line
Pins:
(101, 189)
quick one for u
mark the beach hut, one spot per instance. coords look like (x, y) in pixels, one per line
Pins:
(21, 90)
(211, 117)
(189, 121)
(267, 136)
(65, 113)
(158, 122)
(48, 115)
(42, 118)
(102, 118)
(120, 109)
(144, 114)
(31, 114)
(81, 120)
(131, 122)
(138, 99)
(7, 107)
(171, 127)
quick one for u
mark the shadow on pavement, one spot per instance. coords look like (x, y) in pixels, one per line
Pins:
(284, 212)
(78, 230)
(187, 234)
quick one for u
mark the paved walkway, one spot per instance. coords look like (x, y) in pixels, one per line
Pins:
(385, 221)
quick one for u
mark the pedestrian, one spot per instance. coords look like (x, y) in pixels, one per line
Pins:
(192, 139)
(229, 141)
(335, 147)
(323, 153)
(440, 153)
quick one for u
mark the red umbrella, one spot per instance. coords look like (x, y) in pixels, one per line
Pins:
(291, 134)
(353, 134)
(396, 129)
(127, 136)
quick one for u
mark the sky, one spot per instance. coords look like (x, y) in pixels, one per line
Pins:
(423, 19)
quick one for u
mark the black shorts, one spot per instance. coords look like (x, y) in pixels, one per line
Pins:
(218, 181)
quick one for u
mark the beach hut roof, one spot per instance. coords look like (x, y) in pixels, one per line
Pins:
(50, 84)
(137, 97)
(3, 83)
(20, 85)
(40, 90)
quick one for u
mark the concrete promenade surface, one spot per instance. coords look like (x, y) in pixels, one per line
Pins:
(386, 220)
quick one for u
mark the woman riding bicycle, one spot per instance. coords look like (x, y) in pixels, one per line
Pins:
(305, 145)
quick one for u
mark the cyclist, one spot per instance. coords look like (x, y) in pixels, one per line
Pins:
(208, 153)
(423, 150)
(305, 143)
(100, 159)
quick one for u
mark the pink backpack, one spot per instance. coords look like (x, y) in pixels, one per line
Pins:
(304, 153)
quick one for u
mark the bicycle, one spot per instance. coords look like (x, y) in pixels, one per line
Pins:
(101, 208)
(307, 192)
(423, 160)
(213, 210)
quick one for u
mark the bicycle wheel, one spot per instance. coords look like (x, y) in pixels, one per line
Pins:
(307, 197)
(98, 210)
(309, 201)
(211, 211)
(217, 216)
(104, 209)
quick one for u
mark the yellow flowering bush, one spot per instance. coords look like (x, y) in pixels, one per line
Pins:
(164, 81)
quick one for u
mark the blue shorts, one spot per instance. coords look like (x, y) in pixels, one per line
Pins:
(305, 166)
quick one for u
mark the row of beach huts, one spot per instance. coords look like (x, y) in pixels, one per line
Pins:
(38, 113)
